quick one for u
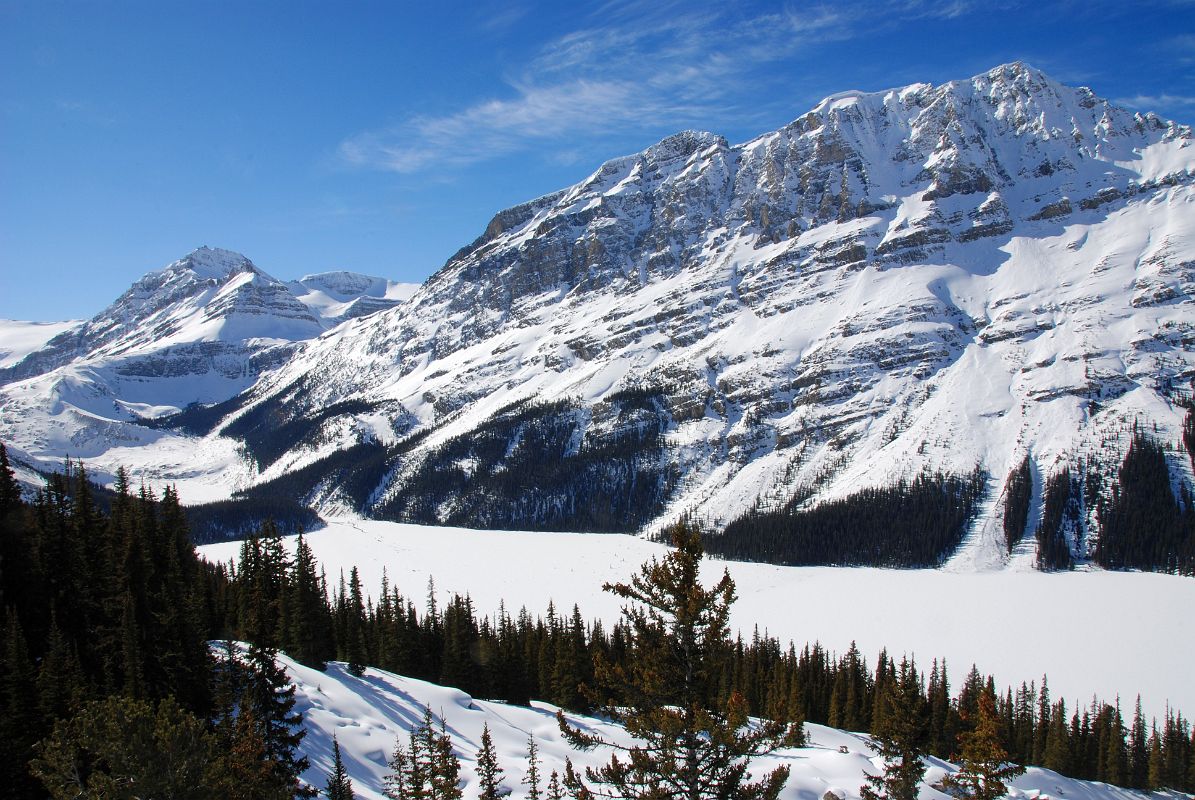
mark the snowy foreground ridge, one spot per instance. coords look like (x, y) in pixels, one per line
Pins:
(369, 714)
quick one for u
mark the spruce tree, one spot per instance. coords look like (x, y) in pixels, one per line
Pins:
(272, 699)
(555, 790)
(531, 779)
(124, 748)
(489, 772)
(356, 652)
(1058, 748)
(984, 766)
(20, 723)
(339, 786)
(10, 490)
(445, 768)
(688, 747)
(428, 769)
(898, 740)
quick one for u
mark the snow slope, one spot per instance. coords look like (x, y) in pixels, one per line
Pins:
(1108, 633)
(19, 339)
(369, 714)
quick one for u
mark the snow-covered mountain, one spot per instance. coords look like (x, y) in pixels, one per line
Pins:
(337, 296)
(928, 279)
(200, 330)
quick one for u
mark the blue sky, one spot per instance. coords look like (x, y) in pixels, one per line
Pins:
(381, 137)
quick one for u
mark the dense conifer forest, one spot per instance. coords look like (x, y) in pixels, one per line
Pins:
(1143, 517)
(915, 523)
(109, 615)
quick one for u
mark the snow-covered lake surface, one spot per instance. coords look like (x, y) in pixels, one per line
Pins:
(1107, 633)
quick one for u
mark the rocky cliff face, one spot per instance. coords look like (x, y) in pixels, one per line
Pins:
(926, 279)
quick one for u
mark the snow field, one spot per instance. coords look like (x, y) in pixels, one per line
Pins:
(369, 714)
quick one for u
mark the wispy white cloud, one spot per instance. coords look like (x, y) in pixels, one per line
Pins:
(638, 65)
(1154, 102)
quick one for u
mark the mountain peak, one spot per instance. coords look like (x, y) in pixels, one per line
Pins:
(212, 263)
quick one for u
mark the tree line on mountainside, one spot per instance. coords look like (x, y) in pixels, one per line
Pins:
(916, 523)
(1138, 521)
(105, 655)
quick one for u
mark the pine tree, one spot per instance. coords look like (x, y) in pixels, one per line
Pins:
(20, 723)
(555, 790)
(60, 683)
(356, 651)
(689, 748)
(272, 700)
(898, 740)
(10, 490)
(985, 764)
(123, 748)
(445, 768)
(339, 786)
(428, 769)
(489, 772)
(531, 779)
(1138, 750)
(1058, 756)
(396, 785)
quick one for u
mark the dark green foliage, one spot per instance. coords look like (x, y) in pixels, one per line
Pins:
(1018, 493)
(127, 749)
(239, 517)
(687, 746)
(428, 768)
(984, 765)
(898, 736)
(532, 777)
(1061, 512)
(1189, 431)
(1142, 526)
(911, 524)
(540, 466)
(270, 699)
(339, 786)
(489, 772)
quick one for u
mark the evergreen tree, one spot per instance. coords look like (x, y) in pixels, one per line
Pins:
(271, 698)
(20, 723)
(445, 768)
(984, 766)
(898, 740)
(427, 769)
(309, 626)
(10, 490)
(126, 749)
(531, 779)
(689, 747)
(60, 684)
(339, 786)
(489, 772)
(1057, 756)
(555, 790)
(356, 651)
(1138, 750)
